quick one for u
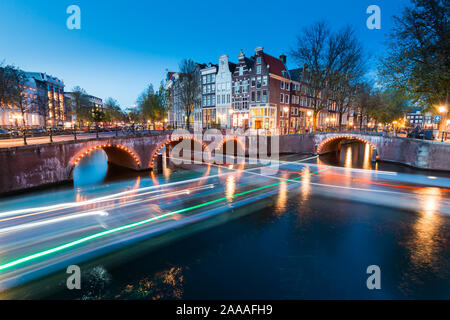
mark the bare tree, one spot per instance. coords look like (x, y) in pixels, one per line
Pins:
(190, 89)
(418, 55)
(20, 98)
(329, 56)
(80, 104)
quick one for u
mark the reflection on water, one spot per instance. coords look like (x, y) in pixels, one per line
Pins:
(352, 155)
(367, 157)
(91, 170)
(166, 284)
(282, 196)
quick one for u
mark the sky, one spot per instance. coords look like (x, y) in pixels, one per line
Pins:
(123, 46)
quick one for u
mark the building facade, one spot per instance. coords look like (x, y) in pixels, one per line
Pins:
(178, 116)
(240, 92)
(224, 83)
(257, 93)
(51, 91)
(208, 80)
(44, 103)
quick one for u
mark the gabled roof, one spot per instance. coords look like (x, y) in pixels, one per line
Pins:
(249, 62)
(276, 66)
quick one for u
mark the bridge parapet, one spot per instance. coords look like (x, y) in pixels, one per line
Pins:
(37, 165)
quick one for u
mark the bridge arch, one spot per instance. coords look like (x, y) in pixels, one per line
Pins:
(331, 143)
(174, 141)
(229, 139)
(116, 153)
(238, 150)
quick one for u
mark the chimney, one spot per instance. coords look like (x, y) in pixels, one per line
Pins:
(258, 49)
(283, 58)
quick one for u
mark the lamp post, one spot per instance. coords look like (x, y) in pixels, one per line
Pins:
(443, 111)
(309, 114)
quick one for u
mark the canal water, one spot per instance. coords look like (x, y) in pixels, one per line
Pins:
(295, 246)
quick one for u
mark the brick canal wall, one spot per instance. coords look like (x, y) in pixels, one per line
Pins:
(37, 165)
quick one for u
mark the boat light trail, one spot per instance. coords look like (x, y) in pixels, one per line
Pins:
(137, 224)
(55, 220)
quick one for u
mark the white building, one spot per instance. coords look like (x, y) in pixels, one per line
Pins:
(223, 92)
(11, 114)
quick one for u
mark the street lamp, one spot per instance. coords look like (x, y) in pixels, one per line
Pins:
(443, 111)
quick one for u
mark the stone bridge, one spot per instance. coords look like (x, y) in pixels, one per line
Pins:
(37, 165)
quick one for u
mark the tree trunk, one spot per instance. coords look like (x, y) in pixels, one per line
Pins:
(24, 130)
(361, 122)
(315, 114)
(340, 120)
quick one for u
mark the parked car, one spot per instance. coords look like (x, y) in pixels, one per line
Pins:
(421, 134)
(4, 133)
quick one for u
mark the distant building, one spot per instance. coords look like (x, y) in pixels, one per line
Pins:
(11, 114)
(240, 93)
(417, 118)
(224, 83)
(45, 103)
(70, 112)
(51, 90)
(269, 93)
(178, 117)
(208, 117)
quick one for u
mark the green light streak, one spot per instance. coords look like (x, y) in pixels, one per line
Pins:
(139, 223)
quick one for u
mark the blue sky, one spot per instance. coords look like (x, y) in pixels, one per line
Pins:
(125, 45)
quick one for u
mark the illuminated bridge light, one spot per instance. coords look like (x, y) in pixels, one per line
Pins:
(88, 151)
(139, 223)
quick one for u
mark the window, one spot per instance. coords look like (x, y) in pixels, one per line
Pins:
(282, 85)
(258, 60)
(287, 99)
(264, 96)
(258, 82)
(258, 96)
(253, 82)
(258, 69)
(245, 86)
(241, 71)
(282, 98)
(253, 96)
(287, 85)
(264, 82)
(228, 98)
